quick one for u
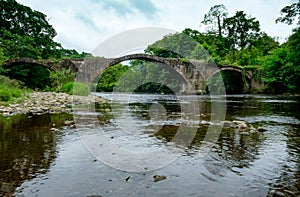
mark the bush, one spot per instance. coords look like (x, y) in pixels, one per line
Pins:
(9, 89)
(16, 92)
(59, 78)
(76, 88)
(4, 95)
(10, 82)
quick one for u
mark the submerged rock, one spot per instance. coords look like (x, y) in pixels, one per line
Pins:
(54, 129)
(240, 125)
(261, 129)
(238, 122)
(228, 123)
(69, 123)
(159, 178)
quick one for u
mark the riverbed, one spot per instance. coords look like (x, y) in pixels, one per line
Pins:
(41, 155)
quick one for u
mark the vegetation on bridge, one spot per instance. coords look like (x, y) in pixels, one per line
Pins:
(229, 40)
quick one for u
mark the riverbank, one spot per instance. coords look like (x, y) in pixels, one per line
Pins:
(47, 102)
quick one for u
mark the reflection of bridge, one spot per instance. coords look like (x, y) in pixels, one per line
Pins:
(195, 73)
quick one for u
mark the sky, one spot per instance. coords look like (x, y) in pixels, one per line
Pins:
(84, 24)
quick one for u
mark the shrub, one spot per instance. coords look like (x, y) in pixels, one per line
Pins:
(59, 78)
(16, 92)
(76, 88)
(9, 89)
(10, 82)
(5, 95)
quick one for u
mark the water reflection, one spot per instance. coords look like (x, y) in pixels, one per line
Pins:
(27, 148)
(237, 152)
(287, 183)
(238, 164)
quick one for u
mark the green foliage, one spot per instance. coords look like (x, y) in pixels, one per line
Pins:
(234, 40)
(72, 53)
(4, 94)
(290, 12)
(32, 76)
(17, 46)
(141, 76)
(109, 78)
(152, 87)
(215, 17)
(293, 45)
(241, 30)
(25, 29)
(9, 89)
(59, 78)
(10, 82)
(228, 82)
(264, 44)
(176, 45)
(282, 67)
(76, 88)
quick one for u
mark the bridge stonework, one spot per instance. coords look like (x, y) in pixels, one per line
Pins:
(195, 73)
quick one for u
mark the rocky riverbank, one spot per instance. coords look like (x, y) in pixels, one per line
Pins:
(47, 102)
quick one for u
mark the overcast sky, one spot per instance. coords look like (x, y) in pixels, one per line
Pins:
(83, 24)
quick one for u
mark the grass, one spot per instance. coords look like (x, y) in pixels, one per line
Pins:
(76, 88)
(10, 90)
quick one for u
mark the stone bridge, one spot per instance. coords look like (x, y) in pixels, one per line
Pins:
(194, 73)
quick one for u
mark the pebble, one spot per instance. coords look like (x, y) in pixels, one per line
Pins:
(39, 103)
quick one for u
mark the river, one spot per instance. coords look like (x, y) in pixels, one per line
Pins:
(39, 161)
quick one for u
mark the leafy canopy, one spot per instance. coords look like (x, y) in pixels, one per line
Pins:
(289, 13)
(23, 29)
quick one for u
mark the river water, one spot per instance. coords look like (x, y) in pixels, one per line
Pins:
(38, 161)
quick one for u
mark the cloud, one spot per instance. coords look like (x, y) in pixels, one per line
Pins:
(83, 24)
(146, 7)
(121, 7)
(125, 7)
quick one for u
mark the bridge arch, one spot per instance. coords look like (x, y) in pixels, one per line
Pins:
(245, 75)
(32, 73)
(195, 72)
(186, 70)
(47, 64)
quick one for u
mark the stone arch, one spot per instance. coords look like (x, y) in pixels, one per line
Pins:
(32, 73)
(244, 74)
(89, 69)
(47, 64)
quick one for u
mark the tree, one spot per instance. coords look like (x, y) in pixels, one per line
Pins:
(213, 44)
(177, 45)
(265, 43)
(21, 24)
(72, 53)
(282, 66)
(215, 17)
(289, 14)
(33, 76)
(109, 78)
(241, 30)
